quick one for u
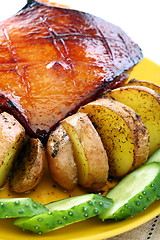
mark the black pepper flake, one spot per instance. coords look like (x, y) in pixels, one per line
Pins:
(54, 152)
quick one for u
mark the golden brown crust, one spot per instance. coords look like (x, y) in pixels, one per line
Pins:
(55, 60)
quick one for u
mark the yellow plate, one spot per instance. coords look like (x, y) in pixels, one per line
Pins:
(93, 228)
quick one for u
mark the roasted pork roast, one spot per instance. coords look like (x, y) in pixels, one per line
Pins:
(53, 60)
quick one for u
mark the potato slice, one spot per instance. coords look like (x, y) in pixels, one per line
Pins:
(123, 134)
(29, 167)
(89, 153)
(61, 160)
(146, 103)
(153, 86)
(12, 135)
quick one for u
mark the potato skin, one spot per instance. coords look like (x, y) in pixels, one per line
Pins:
(89, 153)
(151, 85)
(29, 167)
(145, 102)
(123, 134)
(12, 136)
(61, 160)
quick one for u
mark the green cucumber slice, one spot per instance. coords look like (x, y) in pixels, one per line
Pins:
(155, 157)
(65, 212)
(134, 193)
(20, 207)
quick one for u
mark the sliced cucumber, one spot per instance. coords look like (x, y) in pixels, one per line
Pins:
(20, 207)
(65, 212)
(155, 157)
(134, 193)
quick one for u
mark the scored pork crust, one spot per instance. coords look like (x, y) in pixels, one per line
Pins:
(52, 60)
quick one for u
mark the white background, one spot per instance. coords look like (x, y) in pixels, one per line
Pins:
(140, 19)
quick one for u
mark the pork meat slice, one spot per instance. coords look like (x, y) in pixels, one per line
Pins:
(52, 60)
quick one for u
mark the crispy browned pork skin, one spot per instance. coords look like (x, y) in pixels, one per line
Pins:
(53, 60)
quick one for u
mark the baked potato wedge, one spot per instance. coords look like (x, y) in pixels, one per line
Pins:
(89, 153)
(153, 86)
(12, 135)
(123, 134)
(61, 161)
(27, 171)
(146, 103)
